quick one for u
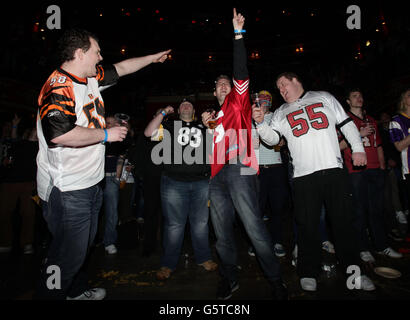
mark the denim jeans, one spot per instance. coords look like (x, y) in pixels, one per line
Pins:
(111, 196)
(368, 192)
(72, 219)
(230, 191)
(181, 200)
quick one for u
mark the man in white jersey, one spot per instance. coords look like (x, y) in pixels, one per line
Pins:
(308, 121)
(72, 129)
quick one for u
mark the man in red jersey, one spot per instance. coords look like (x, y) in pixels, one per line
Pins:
(233, 186)
(367, 182)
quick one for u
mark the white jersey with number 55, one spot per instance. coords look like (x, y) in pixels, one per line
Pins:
(309, 126)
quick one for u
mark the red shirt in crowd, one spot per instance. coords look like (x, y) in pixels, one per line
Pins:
(370, 144)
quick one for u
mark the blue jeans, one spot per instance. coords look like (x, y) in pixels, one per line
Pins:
(230, 191)
(111, 196)
(368, 194)
(72, 219)
(181, 200)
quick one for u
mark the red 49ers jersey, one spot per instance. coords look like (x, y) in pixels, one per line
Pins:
(233, 134)
(370, 144)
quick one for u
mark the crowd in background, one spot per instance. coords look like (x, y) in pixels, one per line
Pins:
(132, 190)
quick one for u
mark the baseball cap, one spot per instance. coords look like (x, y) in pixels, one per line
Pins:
(265, 98)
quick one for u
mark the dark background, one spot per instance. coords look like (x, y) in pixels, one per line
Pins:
(334, 58)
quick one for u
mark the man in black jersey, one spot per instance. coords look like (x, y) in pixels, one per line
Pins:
(184, 185)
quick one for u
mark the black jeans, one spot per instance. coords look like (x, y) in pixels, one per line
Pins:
(274, 192)
(368, 196)
(331, 188)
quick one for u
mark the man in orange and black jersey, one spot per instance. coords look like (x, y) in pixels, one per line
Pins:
(71, 127)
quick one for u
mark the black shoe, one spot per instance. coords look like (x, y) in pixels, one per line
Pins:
(279, 290)
(226, 288)
(395, 235)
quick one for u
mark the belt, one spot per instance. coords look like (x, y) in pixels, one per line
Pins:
(110, 174)
(266, 166)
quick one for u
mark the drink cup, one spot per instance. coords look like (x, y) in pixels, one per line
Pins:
(255, 99)
(122, 118)
(212, 123)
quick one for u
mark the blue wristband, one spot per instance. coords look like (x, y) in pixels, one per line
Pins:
(106, 136)
(240, 31)
(163, 113)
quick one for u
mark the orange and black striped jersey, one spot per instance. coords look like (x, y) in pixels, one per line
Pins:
(66, 101)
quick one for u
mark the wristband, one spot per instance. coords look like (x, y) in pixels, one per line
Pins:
(106, 136)
(240, 31)
(163, 113)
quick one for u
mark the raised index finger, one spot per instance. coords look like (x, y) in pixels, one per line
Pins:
(234, 12)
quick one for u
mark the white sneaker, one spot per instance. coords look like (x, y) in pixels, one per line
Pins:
(391, 253)
(308, 284)
(5, 249)
(328, 246)
(251, 251)
(279, 250)
(366, 256)
(28, 249)
(92, 294)
(401, 217)
(365, 283)
(295, 256)
(111, 249)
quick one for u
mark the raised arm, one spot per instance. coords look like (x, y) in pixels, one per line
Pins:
(155, 123)
(240, 69)
(132, 65)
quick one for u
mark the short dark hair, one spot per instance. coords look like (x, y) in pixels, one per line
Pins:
(223, 76)
(352, 89)
(289, 75)
(72, 40)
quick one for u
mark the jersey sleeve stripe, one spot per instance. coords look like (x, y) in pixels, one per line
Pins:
(49, 107)
(55, 89)
(346, 121)
(55, 107)
(241, 88)
(62, 101)
(100, 75)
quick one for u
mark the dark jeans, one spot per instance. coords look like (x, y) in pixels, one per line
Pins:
(274, 192)
(182, 200)
(152, 211)
(368, 195)
(407, 189)
(111, 197)
(72, 219)
(331, 188)
(230, 191)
